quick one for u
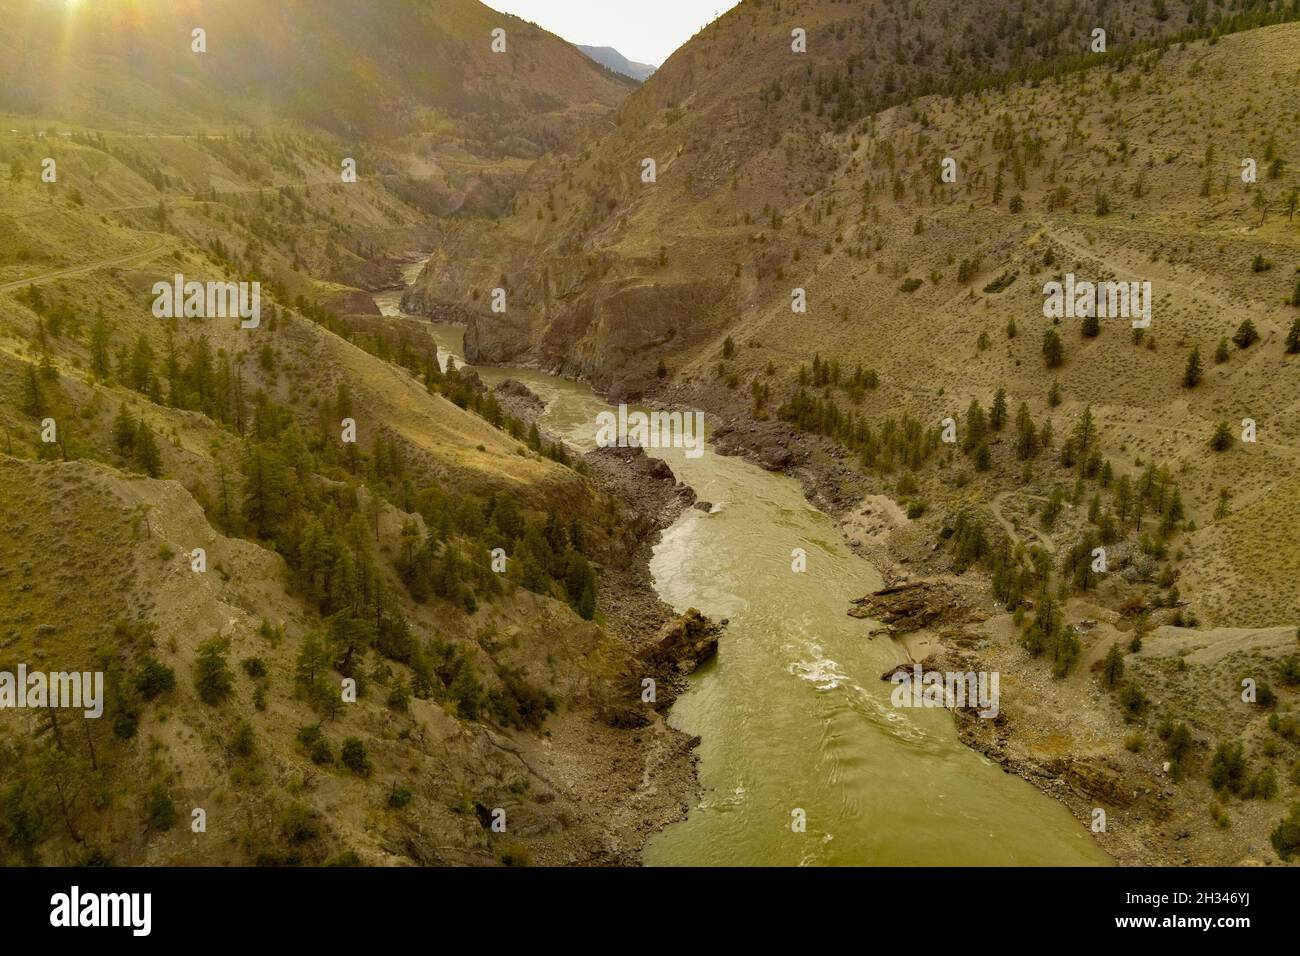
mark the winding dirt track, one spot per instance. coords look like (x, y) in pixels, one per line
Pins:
(995, 506)
(82, 269)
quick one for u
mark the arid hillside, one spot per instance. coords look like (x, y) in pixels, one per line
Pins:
(847, 255)
(746, 123)
(1131, 169)
(242, 519)
(358, 69)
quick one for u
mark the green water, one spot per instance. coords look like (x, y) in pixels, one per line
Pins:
(792, 713)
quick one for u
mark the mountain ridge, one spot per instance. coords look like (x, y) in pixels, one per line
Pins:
(609, 57)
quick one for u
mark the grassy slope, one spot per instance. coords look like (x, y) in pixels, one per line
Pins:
(112, 549)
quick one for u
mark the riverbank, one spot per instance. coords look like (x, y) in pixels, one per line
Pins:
(793, 673)
(658, 644)
(1070, 738)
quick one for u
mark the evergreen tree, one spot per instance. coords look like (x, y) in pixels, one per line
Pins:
(33, 397)
(1053, 350)
(99, 343)
(212, 676)
(1027, 433)
(1246, 335)
(1192, 374)
(998, 413)
(147, 457)
(124, 428)
(1293, 336)
(1112, 669)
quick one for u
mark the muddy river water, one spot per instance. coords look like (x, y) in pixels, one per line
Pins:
(794, 721)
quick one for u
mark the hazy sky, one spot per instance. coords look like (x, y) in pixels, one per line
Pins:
(646, 31)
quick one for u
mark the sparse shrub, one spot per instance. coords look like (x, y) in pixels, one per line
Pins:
(1219, 815)
(299, 825)
(1001, 282)
(1289, 671)
(1132, 699)
(1262, 786)
(162, 812)
(241, 742)
(354, 757)
(153, 678)
(1286, 837)
(1228, 768)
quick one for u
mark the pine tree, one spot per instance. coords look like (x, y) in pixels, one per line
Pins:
(998, 413)
(1222, 439)
(587, 604)
(212, 677)
(124, 426)
(147, 456)
(1027, 434)
(33, 398)
(1246, 335)
(976, 426)
(1192, 375)
(1053, 350)
(1112, 669)
(99, 342)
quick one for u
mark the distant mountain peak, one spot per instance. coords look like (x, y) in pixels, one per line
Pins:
(608, 57)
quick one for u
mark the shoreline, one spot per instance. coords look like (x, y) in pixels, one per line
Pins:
(657, 641)
(1068, 738)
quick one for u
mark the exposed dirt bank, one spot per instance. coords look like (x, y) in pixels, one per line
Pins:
(655, 762)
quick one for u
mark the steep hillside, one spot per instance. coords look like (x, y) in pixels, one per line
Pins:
(361, 70)
(741, 127)
(349, 493)
(98, 576)
(894, 261)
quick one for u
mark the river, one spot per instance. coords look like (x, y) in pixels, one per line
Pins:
(792, 715)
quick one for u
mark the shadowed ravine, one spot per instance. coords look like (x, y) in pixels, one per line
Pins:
(792, 713)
